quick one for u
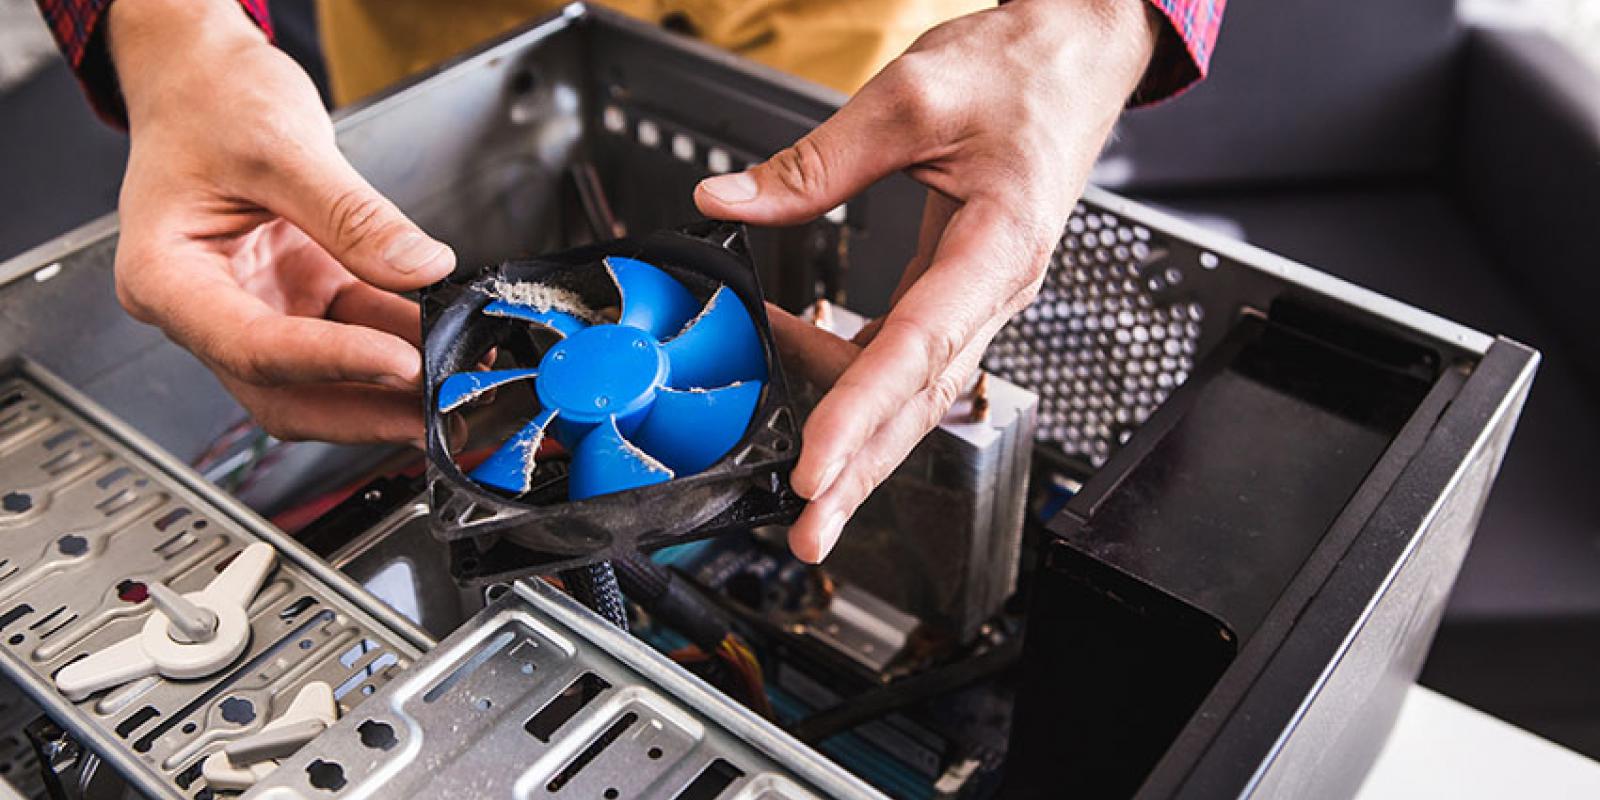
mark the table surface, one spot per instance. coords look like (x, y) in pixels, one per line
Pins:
(1442, 748)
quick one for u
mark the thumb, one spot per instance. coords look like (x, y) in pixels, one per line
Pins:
(362, 229)
(831, 164)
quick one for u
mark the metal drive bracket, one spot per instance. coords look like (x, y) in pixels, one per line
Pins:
(537, 696)
(97, 524)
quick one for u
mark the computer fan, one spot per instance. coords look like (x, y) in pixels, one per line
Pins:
(649, 362)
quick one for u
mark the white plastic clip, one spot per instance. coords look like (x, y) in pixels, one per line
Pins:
(181, 647)
(242, 763)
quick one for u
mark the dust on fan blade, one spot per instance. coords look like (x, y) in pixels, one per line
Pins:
(684, 383)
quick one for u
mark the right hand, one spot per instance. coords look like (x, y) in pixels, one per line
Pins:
(249, 239)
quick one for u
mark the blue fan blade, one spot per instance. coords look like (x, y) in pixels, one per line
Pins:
(604, 462)
(721, 346)
(463, 387)
(511, 467)
(689, 431)
(652, 300)
(560, 321)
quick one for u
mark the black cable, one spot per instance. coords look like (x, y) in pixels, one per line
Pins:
(595, 586)
(670, 599)
(873, 703)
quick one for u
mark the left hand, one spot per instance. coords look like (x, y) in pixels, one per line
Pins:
(1001, 115)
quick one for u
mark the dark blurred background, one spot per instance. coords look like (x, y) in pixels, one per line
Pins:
(1449, 157)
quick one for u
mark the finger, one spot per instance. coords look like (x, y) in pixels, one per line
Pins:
(276, 349)
(937, 209)
(339, 413)
(818, 356)
(861, 143)
(205, 312)
(817, 530)
(360, 304)
(324, 196)
(981, 273)
(867, 333)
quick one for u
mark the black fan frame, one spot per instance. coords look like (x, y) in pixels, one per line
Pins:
(494, 537)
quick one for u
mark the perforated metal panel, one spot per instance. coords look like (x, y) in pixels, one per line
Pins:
(87, 522)
(538, 697)
(1114, 330)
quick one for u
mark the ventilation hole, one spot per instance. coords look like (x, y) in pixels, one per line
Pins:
(62, 462)
(325, 775)
(610, 794)
(349, 657)
(377, 666)
(592, 752)
(136, 720)
(296, 608)
(16, 639)
(188, 728)
(186, 778)
(488, 651)
(114, 504)
(712, 781)
(565, 706)
(64, 623)
(174, 546)
(45, 620)
(170, 517)
(111, 477)
(17, 612)
(654, 753)
(376, 735)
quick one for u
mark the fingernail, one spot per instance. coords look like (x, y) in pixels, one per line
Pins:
(828, 536)
(735, 187)
(412, 251)
(829, 475)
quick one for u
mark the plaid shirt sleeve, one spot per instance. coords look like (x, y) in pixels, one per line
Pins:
(76, 26)
(1183, 56)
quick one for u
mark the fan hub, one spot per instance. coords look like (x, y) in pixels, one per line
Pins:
(601, 371)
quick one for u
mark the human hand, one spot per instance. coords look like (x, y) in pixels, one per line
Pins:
(1001, 115)
(247, 237)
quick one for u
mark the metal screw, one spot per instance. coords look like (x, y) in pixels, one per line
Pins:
(822, 313)
(980, 399)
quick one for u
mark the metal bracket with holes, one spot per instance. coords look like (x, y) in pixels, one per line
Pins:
(559, 704)
(91, 516)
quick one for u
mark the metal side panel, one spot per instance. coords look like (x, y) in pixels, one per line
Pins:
(91, 514)
(539, 697)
